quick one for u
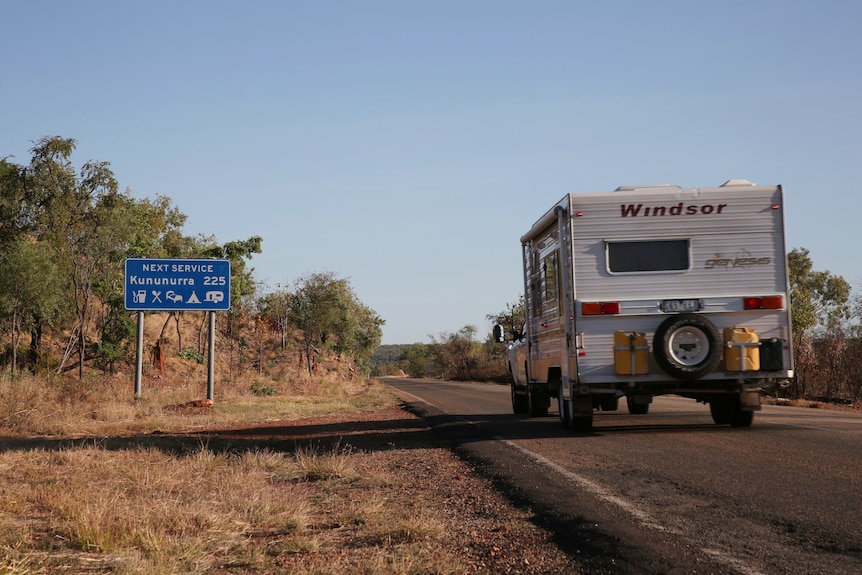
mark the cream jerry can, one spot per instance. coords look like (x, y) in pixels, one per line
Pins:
(631, 353)
(742, 349)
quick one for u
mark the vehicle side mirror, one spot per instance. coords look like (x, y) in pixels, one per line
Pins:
(499, 335)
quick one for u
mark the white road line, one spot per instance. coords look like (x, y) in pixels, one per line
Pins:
(730, 561)
(596, 489)
(642, 516)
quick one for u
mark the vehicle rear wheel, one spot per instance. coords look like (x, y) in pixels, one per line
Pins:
(720, 409)
(687, 346)
(742, 419)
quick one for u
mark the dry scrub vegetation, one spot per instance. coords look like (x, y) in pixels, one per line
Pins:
(292, 474)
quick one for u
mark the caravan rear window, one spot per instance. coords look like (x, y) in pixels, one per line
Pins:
(648, 256)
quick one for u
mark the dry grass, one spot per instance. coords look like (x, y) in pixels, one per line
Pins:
(101, 505)
(99, 405)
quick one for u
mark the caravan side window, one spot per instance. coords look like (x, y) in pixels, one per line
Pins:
(648, 256)
(549, 267)
(535, 283)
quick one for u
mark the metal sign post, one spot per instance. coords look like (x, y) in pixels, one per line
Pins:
(139, 360)
(177, 285)
(211, 357)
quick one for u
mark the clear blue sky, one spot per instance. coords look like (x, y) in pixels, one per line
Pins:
(407, 145)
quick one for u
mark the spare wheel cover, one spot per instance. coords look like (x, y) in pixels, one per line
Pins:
(687, 346)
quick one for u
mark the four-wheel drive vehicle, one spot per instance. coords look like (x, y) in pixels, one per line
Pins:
(655, 290)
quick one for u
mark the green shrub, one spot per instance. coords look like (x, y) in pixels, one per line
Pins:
(191, 353)
(261, 390)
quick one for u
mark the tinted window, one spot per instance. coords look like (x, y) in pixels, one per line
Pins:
(648, 256)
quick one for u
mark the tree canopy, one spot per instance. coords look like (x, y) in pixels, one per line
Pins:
(65, 233)
(818, 299)
(325, 310)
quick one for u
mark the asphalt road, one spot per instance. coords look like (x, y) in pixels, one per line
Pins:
(670, 492)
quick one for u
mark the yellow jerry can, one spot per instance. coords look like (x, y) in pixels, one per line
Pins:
(742, 349)
(631, 353)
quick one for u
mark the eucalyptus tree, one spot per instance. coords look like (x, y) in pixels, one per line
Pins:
(820, 303)
(12, 204)
(138, 228)
(314, 308)
(89, 227)
(358, 330)
(75, 214)
(461, 352)
(28, 290)
(326, 312)
(817, 298)
(242, 283)
(274, 308)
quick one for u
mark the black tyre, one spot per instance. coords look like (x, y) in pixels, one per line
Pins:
(727, 410)
(721, 410)
(582, 423)
(637, 408)
(742, 419)
(609, 403)
(519, 402)
(687, 346)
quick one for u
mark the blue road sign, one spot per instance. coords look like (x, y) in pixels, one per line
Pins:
(177, 285)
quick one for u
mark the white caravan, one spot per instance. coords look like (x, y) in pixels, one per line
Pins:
(655, 290)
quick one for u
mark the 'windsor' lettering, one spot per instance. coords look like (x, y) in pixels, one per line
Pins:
(635, 210)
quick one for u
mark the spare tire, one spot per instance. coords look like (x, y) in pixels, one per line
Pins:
(687, 346)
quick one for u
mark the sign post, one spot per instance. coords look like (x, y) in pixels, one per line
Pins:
(177, 285)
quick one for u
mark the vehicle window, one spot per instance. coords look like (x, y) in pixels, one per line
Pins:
(535, 295)
(648, 256)
(549, 267)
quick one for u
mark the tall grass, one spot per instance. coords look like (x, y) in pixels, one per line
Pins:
(89, 509)
(63, 406)
(147, 511)
(96, 509)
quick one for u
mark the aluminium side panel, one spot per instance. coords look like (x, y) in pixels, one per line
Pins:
(546, 335)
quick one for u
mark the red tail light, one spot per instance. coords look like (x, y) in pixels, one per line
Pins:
(766, 302)
(610, 307)
(600, 308)
(773, 302)
(753, 303)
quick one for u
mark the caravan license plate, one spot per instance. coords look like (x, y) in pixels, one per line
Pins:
(678, 305)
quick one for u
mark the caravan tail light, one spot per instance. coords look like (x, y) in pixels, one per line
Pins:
(600, 308)
(767, 302)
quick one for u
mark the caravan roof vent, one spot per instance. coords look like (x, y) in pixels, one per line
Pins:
(732, 183)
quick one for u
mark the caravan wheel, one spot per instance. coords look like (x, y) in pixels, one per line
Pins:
(728, 410)
(687, 346)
